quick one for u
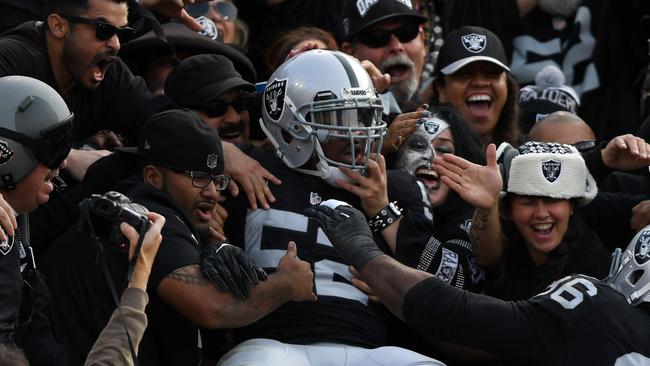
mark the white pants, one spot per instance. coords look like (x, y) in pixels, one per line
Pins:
(262, 351)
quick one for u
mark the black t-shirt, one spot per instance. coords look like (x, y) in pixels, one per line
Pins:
(518, 278)
(121, 103)
(83, 302)
(342, 313)
(578, 320)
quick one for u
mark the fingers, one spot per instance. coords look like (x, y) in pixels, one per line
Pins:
(233, 188)
(7, 219)
(132, 235)
(379, 81)
(491, 155)
(189, 21)
(292, 250)
(217, 234)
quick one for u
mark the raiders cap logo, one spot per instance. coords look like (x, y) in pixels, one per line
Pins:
(212, 161)
(551, 170)
(474, 43)
(642, 250)
(6, 245)
(274, 98)
(5, 153)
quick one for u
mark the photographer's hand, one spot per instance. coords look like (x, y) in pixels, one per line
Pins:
(148, 251)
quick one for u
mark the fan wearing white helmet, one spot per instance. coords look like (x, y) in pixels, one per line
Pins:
(323, 117)
(35, 138)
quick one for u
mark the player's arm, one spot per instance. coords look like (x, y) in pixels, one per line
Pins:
(189, 292)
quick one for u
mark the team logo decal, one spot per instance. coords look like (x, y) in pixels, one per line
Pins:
(274, 98)
(551, 170)
(314, 198)
(448, 266)
(642, 251)
(473, 42)
(208, 28)
(6, 245)
(431, 126)
(212, 161)
(5, 153)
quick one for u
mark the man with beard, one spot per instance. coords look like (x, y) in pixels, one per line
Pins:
(387, 33)
(211, 86)
(177, 171)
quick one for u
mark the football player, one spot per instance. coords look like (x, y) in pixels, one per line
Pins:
(323, 117)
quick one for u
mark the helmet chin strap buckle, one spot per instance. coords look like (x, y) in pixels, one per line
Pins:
(8, 183)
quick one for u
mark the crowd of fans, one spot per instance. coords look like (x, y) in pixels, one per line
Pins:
(330, 182)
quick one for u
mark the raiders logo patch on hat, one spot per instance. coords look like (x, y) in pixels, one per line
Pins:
(212, 161)
(642, 250)
(6, 245)
(551, 170)
(274, 98)
(5, 153)
(474, 42)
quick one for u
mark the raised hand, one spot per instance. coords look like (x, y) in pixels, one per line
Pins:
(476, 184)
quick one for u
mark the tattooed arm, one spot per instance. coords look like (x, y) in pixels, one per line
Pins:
(189, 292)
(479, 186)
(486, 236)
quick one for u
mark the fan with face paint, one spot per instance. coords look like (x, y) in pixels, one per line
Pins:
(432, 137)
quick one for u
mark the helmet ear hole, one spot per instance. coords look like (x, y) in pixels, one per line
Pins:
(286, 137)
(634, 277)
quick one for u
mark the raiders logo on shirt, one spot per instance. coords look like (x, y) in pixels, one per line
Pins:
(6, 245)
(274, 98)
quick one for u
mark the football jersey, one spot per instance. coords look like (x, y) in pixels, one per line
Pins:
(578, 320)
(342, 313)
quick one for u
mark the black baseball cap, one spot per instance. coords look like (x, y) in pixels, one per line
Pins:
(468, 44)
(199, 81)
(179, 139)
(359, 15)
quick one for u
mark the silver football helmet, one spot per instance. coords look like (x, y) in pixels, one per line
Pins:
(35, 126)
(319, 96)
(630, 270)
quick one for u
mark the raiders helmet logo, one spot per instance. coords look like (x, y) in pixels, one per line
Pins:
(474, 43)
(642, 250)
(6, 245)
(314, 198)
(212, 161)
(274, 98)
(551, 170)
(5, 153)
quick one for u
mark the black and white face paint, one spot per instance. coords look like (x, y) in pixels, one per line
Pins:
(417, 153)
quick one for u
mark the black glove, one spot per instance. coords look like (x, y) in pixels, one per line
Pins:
(231, 270)
(348, 231)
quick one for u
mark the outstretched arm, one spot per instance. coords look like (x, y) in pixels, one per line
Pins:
(479, 186)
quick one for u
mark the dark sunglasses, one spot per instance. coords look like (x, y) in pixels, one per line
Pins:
(220, 108)
(584, 146)
(103, 31)
(377, 38)
(51, 148)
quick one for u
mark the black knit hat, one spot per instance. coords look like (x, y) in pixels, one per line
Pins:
(465, 45)
(199, 81)
(179, 139)
(359, 15)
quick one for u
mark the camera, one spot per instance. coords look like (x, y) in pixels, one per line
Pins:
(103, 215)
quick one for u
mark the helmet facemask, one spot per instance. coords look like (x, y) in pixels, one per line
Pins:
(630, 270)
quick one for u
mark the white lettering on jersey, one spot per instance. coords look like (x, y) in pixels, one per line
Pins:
(568, 295)
(324, 270)
(575, 55)
(632, 359)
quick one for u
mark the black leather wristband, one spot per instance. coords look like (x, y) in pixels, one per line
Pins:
(385, 217)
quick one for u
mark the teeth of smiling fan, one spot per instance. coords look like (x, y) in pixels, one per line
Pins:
(479, 98)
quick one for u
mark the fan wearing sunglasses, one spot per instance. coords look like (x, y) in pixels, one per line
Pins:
(210, 86)
(388, 34)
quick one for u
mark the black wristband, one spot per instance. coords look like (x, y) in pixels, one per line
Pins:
(385, 217)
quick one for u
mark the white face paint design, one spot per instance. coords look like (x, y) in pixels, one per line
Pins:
(417, 152)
